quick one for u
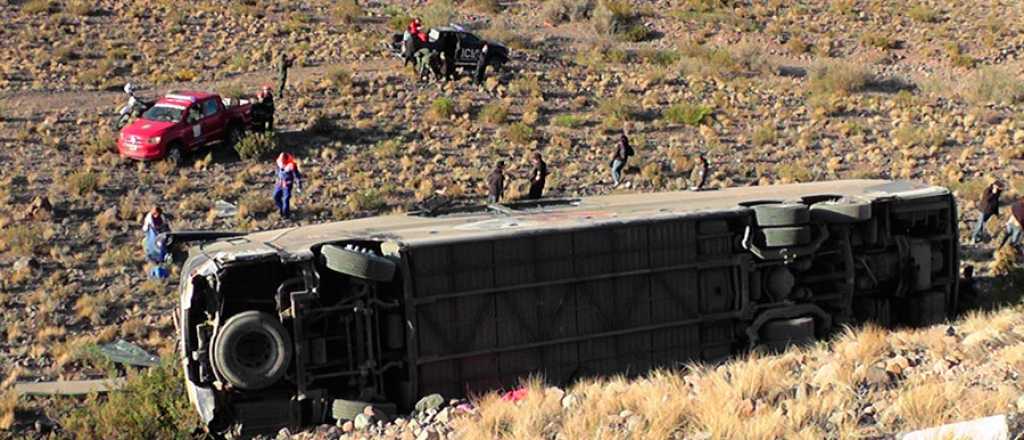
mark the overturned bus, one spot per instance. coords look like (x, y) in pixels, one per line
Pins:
(280, 327)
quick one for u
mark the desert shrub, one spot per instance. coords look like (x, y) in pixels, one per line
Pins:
(346, 11)
(485, 6)
(442, 108)
(794, 172)
(233, 91)
(519, 133)
(838, 78)
(254, 204)
(616, 110)
(709, 61)
(503, 31)
(437, 13)
(764, 135)
(526, 86)
(21, 239)
(101, 144)
(38, 6)
(82, 182)
(256, 145)
(81, 8)
(388, 149)
(322, 125)
(909, 135)
(797, 46)
(558, 11)
(843, 7)
(993, 85)
(618, 18)
(118, 257)
(185, 75)
(366, 200)
(957, 56)
(663, 58)
(398, 22)
(878, 40)
(687, 113)
(340, 77)
(153, 404)
(494, 113)
(924, 13)
(568, 121)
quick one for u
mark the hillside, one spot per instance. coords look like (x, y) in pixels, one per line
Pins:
(771, 91)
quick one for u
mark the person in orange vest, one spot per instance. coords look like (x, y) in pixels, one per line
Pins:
(288, 179)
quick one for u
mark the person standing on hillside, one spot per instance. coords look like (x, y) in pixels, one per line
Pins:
(481, 65)
(988, 206)
(283, 64)
(263, 110)
(622, 153)
(1013, 225)
(538, 176)
(153, 225)
(496, 183)
(288, 179)
(699, 174)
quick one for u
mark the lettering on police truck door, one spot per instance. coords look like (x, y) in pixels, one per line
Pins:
(469, 54)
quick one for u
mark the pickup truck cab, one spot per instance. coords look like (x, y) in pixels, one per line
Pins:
(183, 122)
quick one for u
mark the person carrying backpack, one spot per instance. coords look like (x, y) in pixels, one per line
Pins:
(620, 157)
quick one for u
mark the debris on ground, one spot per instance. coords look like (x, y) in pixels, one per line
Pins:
(124, 352)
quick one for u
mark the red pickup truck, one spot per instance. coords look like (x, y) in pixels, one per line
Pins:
(183, 122)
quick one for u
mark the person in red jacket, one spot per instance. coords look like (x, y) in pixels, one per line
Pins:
(416, 30)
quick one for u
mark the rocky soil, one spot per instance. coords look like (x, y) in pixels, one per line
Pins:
(771, 91)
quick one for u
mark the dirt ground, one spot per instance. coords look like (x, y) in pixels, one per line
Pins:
(772, 91)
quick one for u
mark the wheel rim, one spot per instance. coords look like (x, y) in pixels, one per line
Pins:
(254, 351)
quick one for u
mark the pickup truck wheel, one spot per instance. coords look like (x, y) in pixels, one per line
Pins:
(252, 350)
(358, 264)
(781, 214)
(234, 136)
(174, 155)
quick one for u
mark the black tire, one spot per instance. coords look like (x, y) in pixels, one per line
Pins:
(781, 333)
(786, 236)
(175, 155)
(781, 214)
(358, 264)
(843, 212)
(235, 134)
(252, 350)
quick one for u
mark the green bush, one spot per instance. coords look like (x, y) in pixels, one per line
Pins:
(663, 58)
(617, 110)
(617, 17)
(442, 108)
(687, 113)
(346, 11)
(568, 121)
(764, 135)
(38, 7)
(102, 144)
(558, 11)
(838, 78)
(994, 85)
(437, 13)
(82, 8)
(494, 113)
(367, 200)
(340, 77)
(21, 239)
(256, 145)
(924, 14)
(83, 182)
(399, 22)
(153, 404)
(519, 133)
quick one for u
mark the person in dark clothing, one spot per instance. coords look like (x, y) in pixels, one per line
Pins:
(496, 183)
(538, 176)
(263, 110)
(620, 157)
(988, 207)
(1013, 225)
(967, 292)
(699, 174)
(481, 65)
(282, 73)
